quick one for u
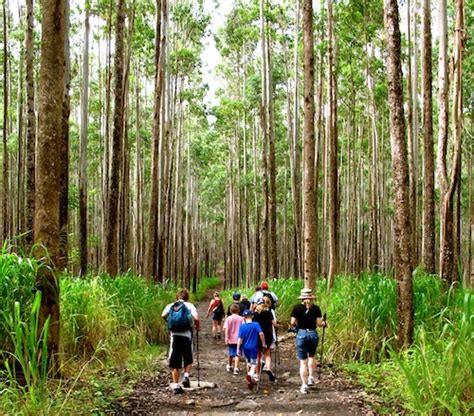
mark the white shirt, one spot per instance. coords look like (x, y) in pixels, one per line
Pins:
(193, 311)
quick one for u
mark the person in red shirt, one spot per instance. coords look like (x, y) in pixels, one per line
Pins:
(216, 307)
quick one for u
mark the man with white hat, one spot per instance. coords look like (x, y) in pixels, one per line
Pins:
(306, 316)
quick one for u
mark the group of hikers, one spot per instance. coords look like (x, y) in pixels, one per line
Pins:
(250, 333)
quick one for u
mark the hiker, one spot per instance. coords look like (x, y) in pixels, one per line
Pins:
(216, 307)
(236, 301)
(265, 292)
(305, 317)
(180, 316)
(257, 293)
(265, 318)
(244, 301)
(231, 337)
(247, 345)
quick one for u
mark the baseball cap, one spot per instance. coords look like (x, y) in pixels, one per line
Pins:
(247, 312)
(264, 285)
(236, 296)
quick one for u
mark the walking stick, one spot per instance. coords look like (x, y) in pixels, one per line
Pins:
(260, 373)
(277, 352)
(197, 356)
(320, 365)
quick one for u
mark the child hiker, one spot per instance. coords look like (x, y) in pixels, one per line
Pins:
(247, 345)
(264, 317)
(231, 335)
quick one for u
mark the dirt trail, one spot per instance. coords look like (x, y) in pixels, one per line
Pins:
(331, 395)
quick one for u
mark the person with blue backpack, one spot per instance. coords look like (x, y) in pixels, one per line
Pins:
(181, 316)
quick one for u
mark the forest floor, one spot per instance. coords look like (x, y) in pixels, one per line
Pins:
(331, 395)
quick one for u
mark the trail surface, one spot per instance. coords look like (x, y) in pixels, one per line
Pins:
(331, 395)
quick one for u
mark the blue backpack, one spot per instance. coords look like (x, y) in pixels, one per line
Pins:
(180, 318)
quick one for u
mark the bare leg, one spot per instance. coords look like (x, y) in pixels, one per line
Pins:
(311, 366)
(187, 369)
(304, 371)
(268, 359)
(236, 361)
(175, 375)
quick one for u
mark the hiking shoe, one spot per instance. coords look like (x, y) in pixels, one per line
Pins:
(178, 390)
(228, 368)
(255, 378)
(310, 381)
(236, 371)
(219, 335)
(271, 376)
(248, 377)
(304, 389)
(186, 382)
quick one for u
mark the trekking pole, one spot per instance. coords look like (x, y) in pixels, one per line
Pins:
(320, 365)
(197, 356)
(277, 353)
(260, 375)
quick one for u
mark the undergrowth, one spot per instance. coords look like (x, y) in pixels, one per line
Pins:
(434, 377)
(104, 323)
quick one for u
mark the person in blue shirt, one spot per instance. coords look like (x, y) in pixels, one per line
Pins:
(247, 345)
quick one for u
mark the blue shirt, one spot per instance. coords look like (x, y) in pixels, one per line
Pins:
(249, 332)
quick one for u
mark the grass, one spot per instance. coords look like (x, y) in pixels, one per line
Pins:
(433, 377)
(104, 323)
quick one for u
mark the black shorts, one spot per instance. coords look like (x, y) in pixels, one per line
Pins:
(181, 352)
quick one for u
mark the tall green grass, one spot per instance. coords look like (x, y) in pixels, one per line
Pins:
(102, 320)
(434, 377)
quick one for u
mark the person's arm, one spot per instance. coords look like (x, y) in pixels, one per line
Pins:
(195, 315)
(239, 343)
(262, 338)
(166, 312)
(294, 322)
(226, 334)
(209, 309)
(321, 323)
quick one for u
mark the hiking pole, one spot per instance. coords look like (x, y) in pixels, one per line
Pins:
(320, 365)
(197, 356)
(260, 375)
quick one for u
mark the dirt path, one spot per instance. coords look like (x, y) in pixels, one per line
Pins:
(332, 395)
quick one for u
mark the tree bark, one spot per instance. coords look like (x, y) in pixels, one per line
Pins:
(309, 206)
(51, 93)
(333, 152)
(83, 148)
(31, 126)
(64, 164)
(6, 224)
(402, 226)
(111, 238)
(428, 245)
(151, 255)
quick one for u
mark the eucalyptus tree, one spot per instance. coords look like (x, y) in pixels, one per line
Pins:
(402, 223)
(46, 223)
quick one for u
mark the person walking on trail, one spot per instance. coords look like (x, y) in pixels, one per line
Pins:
(231, 337)
(264, 292)
(305, 317)
(244, 301)
(216, 307)
(247, 346)
(265, 318)
(181, 316)
(236, 301)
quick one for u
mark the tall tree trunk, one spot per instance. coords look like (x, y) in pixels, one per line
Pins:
(332, 140)
(309, 207)
(151, 255)
(64, 164)
(111, 238)
(6, 225)
(402, 243)
(31, 125)
(448, 186)
(51, 93)
(428, 245)
(83, 148)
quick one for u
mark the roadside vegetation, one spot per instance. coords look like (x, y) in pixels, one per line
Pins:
(433, 377)
(112, 333)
